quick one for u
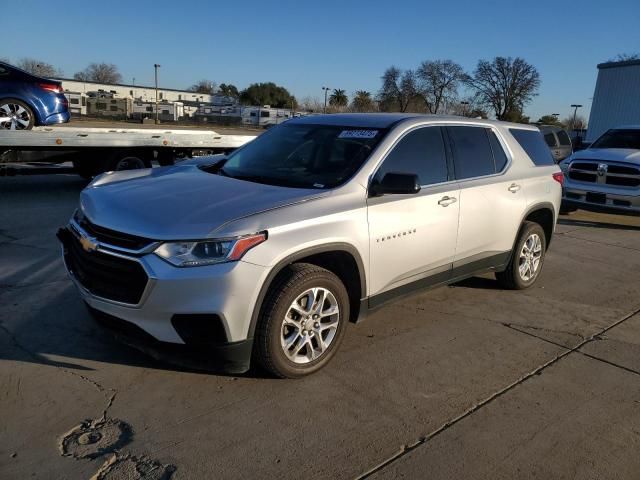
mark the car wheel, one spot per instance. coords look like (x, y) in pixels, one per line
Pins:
(119, 161)
(302, 322)
(15, 115)
(526, 260)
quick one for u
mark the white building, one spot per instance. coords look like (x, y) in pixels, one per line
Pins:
(616, 100)
(139, 92)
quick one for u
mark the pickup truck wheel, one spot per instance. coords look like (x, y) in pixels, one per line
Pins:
(303, 321)
(15, 115)
(526, 260)
(124, 160)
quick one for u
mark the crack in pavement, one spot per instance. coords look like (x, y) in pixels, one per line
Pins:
(537, 371)
(600, 243)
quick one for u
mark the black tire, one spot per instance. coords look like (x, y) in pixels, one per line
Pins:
(292, 282)
(511, 277)
(28, 113)
(566, 210)
(125, 160)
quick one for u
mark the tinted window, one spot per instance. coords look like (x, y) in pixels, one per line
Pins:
(471, 152)
(550, 139)
(420, 152)
(563, 138)
(531, 142)
(499, 156)
(619, 138)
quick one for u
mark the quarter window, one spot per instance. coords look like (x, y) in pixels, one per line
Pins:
(550, 139)
(532, 143)
(420, 152)
(499, 156)
(472, 153)
(563, 138)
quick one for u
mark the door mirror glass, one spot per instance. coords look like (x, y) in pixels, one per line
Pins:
(396, 183)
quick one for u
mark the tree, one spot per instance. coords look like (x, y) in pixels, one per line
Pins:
(229, 90)
(38, 67)
(338, 98)
(267, 94)
(505, 84)
(548, 120)
(580, 123)
(625, 57)
(311, 104)
(99, 73)
(438, 83)
(362, 101)
(470, 106)
(399, 89)
(203, 86)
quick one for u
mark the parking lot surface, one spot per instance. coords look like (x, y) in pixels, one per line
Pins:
(467, 381)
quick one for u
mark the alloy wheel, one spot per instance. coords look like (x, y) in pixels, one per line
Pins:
(530, 257)
(14, 117)
(310, 325)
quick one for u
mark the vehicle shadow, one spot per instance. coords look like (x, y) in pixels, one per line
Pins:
(480, 283)
(591, 224)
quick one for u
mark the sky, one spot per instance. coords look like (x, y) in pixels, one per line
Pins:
(304, 45)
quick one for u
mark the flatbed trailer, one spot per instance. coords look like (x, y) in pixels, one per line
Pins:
(96, 150)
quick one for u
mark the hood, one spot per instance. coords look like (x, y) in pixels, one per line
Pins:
(180, 202)
(627, 155)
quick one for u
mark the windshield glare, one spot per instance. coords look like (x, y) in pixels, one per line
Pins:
(619, 138)
(304, 156)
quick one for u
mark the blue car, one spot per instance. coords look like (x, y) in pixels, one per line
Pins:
(27, 100)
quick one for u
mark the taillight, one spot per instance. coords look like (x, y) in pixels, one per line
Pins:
(51, 87)
(559, 177)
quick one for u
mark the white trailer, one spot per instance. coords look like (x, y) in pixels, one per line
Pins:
(97, 150)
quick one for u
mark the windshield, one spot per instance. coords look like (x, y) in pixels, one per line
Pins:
(619, 138)
(304, 156)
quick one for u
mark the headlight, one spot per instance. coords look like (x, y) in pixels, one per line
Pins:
(208, 252)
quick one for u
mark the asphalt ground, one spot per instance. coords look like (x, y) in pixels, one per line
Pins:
(466, 381)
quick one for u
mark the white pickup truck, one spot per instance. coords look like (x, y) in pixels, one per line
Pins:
(96, 150)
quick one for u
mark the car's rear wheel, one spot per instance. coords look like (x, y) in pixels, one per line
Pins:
(303, 321)
(526, 261)
(15, 115)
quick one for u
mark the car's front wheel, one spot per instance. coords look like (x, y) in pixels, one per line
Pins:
(15, 115)
(302, 322)
(526, 260)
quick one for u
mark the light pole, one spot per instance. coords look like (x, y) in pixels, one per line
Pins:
(326, 89)
(464, 108)
(575, 111)
(156, 66)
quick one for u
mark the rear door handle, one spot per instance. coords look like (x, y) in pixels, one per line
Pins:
(514, 188)
(446, 201)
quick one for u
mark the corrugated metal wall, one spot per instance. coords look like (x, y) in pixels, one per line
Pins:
(616, 100)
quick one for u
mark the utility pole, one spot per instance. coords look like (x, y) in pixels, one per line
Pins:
(156, 66)
(575, 111)
(326, 89)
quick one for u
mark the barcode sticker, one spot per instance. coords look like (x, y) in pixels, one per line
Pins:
(358, 134)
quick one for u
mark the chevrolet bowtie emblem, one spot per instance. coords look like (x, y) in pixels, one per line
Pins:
(89, 244)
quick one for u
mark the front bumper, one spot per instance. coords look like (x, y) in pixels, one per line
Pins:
(225, 292)
(589, 196)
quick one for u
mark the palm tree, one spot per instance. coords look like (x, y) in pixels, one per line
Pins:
(338, 98)
(362, 101)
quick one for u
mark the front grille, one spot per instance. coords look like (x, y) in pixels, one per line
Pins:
(104, 275)
(112, 237)
(614, 174)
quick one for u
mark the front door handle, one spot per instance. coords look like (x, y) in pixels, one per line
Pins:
(446, 201)
(514, 188)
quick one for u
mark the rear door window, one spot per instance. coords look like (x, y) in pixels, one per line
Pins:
(550, 139)
(499, 156)
(472, 154)
(563, 138)
(420, 152)
(534, 145)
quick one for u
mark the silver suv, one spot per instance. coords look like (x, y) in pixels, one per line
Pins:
(267, 253)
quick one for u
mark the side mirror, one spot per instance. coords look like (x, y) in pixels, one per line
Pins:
(396, 184)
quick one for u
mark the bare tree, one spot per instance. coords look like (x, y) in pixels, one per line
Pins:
(311, 104)
(625, 57)
(38, 67)
(204, 86)
(470, 106)
(438, 83)
(398, 90)
(505, 84)
(580, 124)
(100, 73)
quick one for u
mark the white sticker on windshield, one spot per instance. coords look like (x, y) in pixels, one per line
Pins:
(358, 134)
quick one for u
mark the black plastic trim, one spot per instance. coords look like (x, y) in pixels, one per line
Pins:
(328, 247)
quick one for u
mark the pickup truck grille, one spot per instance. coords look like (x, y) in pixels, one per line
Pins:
(111, 237)
(104, 275)
(605, 173)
